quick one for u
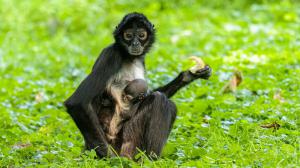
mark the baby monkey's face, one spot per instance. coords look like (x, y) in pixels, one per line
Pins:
(134, 89)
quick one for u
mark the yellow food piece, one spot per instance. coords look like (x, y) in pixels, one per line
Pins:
(199, 64)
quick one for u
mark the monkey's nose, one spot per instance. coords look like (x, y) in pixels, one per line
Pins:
(135, 43)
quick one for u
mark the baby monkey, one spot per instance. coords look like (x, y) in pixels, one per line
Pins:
(134, 92)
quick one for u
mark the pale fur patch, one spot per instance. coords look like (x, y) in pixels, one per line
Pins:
(116, 85)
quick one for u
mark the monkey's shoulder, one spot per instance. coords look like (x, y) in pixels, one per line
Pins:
(109, 57)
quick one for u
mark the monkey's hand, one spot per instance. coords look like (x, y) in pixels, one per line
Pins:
(203, 73)
(183, 79)
(200, 70)
(139, 98)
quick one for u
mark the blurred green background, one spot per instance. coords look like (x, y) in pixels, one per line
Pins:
(48, 47)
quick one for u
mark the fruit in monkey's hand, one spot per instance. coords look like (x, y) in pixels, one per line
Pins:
(199, 64)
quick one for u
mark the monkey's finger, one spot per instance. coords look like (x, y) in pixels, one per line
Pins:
(204, 73)
(206, 68)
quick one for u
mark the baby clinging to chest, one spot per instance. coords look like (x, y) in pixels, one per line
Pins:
(127, 88)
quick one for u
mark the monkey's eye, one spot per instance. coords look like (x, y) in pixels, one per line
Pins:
(128, 36)
(143, 35)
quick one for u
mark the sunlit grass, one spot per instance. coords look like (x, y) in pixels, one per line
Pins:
(48, 47)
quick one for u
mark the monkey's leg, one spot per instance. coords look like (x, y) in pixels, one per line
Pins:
(115, 125)
(149, 129)
(88, 124)
(183, 79)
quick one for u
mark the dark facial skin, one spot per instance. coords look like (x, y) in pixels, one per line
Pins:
(135, 39)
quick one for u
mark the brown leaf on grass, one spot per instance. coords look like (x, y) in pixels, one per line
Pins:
(277, 96)
(21, 145)
(234, 82)
(273, 125)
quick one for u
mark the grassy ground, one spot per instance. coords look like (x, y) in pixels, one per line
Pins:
(48, 47)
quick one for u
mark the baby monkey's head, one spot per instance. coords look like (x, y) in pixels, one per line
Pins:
(135, 89)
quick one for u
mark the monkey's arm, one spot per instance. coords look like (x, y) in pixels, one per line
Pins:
(183, 79)
(79, 105)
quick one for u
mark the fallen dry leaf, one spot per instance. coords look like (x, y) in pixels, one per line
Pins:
(21, 145)
(273, 125)
(234, 82)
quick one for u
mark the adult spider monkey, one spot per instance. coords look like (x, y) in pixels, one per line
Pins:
(92, 105)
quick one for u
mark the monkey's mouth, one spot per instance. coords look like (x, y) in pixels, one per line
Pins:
(135, 51)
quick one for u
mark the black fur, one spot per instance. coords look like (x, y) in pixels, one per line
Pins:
(91, 107)
(150, 127)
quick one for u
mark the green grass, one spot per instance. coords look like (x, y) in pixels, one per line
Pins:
(48, 47)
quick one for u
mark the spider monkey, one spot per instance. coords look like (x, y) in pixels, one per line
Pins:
(98, 98)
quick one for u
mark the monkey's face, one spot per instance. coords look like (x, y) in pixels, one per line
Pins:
(135, 34)
(135, 39)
